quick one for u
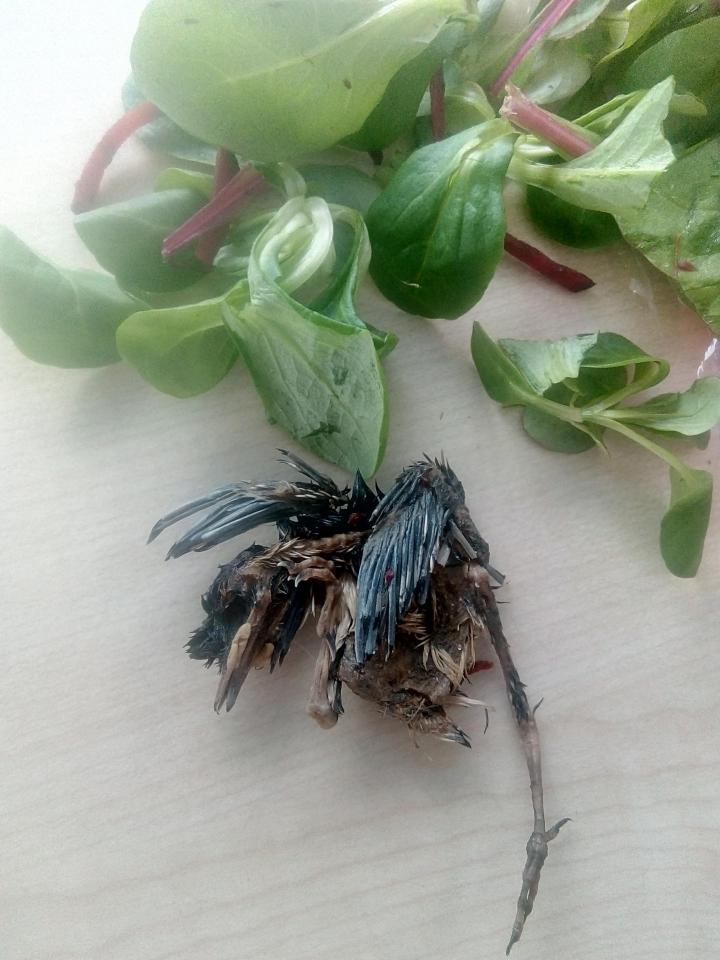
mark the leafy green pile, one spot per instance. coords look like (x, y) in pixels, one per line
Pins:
(314, 144)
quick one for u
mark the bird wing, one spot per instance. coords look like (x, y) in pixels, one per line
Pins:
(397, 560)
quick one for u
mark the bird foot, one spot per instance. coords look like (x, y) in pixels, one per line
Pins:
(537, 851)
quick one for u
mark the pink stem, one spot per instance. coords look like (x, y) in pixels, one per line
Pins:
(226, 166)
(220, 210)
(87, 187)
(437, 105)
(538, 261)
(524, 113)
(553, 12)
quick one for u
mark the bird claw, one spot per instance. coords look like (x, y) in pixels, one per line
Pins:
(537, 851)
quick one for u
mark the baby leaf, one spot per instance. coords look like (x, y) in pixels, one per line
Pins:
(182, 351)
(691, 413)
(437, 229)
(546, 362)
(569, 224)
(556, 435)
(396, 112)
(617, 175)
(126, 238)
(629, 24)
(689, 56)
(276, 80)
(683, 528)
(165, 136)
(66, 318)
(677, 229)
(175, 178)
(319, 378)
(315, 367)
(342, 185)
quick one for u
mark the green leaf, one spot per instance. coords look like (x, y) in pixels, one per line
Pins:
(557, 435)
(685, 524)
(340, 184)
(569, 224)
(578, 18)
(546, 362)
(165, 136)
(315, 367)
(126, 238)
(625, 27)
(396, 112)
(174, 178)
(617, 175)
(437, 229)
(677, 229)
(690, 55)
(691, 413)
(276, 80)
(65, 318)
(182, 351)
(319, 378)
(502, 380)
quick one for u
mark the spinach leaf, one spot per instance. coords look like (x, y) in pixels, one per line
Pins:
(617, 174)
(677, 229)
(182, 351)
(569, 224)
(175, 178)
(316, 368)
(437, 228)
(396, 112)
(65, 318)
(165, 136)
(690, 414)
(275, 80)
(126, 238)
(630, 24)
(346, 186)
(572, 389)
(683, 528)
(691, 56)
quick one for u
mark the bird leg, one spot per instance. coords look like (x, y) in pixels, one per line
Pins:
(537, 846)
(319, 706)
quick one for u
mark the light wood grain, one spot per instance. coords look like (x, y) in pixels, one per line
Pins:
(136, 825)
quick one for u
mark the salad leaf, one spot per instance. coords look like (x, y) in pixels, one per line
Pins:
(630, 24)
(437, 229)
(273, 81)
(182, 350)
(65, 318)
(569, 224)
(126, 239)
(677, 229)
(691, 413)
(165, 136)
(346, 186)
(690, 55)
(617, 174)
(175, 178)
(395, 113)
(318, 373)
(683, 528)
(571, 390)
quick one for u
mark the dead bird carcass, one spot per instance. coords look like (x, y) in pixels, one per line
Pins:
(399, 586)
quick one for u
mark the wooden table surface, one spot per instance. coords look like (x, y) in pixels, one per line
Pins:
(137, 825)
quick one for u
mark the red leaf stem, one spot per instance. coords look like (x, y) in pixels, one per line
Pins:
(87, 187)
(437, 105)
(538, 261)
(553, 12)
(220, 210)
(521, 111)
(226, 166)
